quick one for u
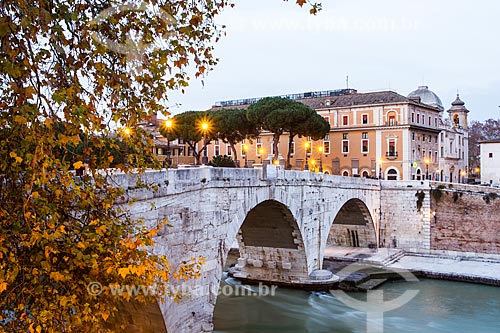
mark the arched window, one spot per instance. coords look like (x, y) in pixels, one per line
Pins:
(419, 174)
(391, 118)
(345, 173)
(326, 172)
(392, 174)
(456, 120)
(365, 174)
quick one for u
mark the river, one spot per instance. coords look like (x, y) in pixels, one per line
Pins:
(439, 307)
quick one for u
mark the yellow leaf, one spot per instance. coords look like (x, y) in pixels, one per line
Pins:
(105, 316)
(110, 159)
(35, 195)
(38, 329)
(123, 272)
(77, 165)
(101, 230)
(56, 276)
(3, 286)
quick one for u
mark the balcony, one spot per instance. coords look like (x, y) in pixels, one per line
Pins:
(391, 155)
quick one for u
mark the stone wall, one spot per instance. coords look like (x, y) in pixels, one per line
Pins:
(466, 219)
(403, 225)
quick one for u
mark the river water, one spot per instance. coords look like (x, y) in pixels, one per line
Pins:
(439, 307)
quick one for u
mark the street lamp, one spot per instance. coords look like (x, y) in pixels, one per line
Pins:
(320, 158)
(127, 131)
(245, 149)
(380, 168)
(260, 151)
(204, 129)
(306, 148)
(168, 126)
(463, 174)
(427, 162)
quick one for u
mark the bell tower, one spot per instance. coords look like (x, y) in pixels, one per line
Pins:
(458, 113)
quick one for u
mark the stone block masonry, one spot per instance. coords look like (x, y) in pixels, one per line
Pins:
(466, 219)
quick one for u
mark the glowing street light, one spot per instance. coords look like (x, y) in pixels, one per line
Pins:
(204, 129)
(427, 162)
(306, 148)
(127, 132)
(245, 150)
(168, 126)
(320, 149)
(260, 151)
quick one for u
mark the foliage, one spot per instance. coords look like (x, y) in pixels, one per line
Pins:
(420, 195)
(186, 126)
(62, 94)
(478, 132)
(437, 193)
(232, 126)
(222, 161)
(73, 67)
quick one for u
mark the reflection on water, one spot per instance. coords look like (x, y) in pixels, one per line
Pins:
(440, 307)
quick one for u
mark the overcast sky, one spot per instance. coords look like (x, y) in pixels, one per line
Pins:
(274, 47)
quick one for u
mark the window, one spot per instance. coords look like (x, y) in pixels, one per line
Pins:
(364, 119)
(259, 149)
(327, 119)
(423, 137)
(309, 147)
(413, 136)
(430, 120)
(490, 155)
(292, 148)
(436, 141)
(345, 146)
(436, 157)
(435, 122)
(442, 137)
(344, 136)
(412, 117)
(345, 173)
(392, 148)
(430, 138)
(364, 142)
(229, 151)
(190, 151)
(326, 147)
(391, 117)
(364, 146)
(345, 120)
(418, 118)
(216, 150)
(327, 137)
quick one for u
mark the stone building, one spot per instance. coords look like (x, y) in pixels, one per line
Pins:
(376, 134)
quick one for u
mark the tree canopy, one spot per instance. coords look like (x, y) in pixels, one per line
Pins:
(480, 131)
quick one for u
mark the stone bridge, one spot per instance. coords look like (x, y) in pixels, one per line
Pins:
(282, 221)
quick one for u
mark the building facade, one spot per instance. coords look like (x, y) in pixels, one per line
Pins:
(490, 162)
(377, 134)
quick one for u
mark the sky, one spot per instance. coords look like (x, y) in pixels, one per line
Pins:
(275, 48)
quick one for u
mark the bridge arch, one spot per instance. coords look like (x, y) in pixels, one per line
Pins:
(353, 226)
(271, 245)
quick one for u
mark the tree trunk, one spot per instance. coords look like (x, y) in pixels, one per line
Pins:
(195, 153)
(289, 156)
(276, 141)
(231, 144)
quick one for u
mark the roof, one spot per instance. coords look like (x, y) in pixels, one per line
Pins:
(357, 99)
(354, 99)
(490, 141)
(427, 97)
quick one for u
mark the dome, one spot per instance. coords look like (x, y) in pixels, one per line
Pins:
(458, 105)
(427, 97)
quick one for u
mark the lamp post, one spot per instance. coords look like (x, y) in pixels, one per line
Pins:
(380, 168)
(320, 158)
(463, 174)
(427, 162)
(204, 129)
(127, 131)
(306, 148)
(260, 151)
(245, 149)
(168, 126)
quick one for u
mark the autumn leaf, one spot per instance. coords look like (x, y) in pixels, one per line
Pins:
(301, 2)
(123, 272)
(77, 165)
